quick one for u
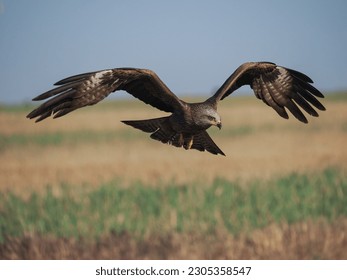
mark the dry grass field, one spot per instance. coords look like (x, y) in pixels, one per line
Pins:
(90, 147)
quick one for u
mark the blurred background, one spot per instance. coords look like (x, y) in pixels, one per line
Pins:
(87, 186)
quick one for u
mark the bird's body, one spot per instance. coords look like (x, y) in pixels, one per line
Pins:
(186, 127)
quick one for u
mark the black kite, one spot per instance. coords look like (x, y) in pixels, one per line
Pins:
(277, 86)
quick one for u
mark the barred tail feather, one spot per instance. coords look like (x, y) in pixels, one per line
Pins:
(160, 128)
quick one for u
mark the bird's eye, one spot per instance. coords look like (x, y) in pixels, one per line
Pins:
(211, 118)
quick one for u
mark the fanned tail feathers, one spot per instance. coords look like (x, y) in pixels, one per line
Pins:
(160, 128)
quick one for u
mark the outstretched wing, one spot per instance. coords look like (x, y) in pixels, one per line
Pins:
(90, 88)
(277, 86)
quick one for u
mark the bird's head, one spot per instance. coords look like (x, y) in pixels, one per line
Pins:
(211, 117)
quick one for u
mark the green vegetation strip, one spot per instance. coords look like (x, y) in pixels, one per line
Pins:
(141, 209)
(62, 138)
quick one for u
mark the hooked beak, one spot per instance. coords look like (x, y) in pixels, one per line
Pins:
(219, 125)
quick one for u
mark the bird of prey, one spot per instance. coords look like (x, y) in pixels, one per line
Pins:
(279, 87)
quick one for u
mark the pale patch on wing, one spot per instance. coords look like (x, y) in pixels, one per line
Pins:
(96, 79)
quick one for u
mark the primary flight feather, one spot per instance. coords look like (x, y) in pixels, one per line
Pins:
(279, 87)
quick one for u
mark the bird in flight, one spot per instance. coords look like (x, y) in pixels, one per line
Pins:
(278, 87)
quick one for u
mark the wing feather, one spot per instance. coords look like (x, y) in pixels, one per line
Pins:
(89, 88)
(277, 86)
(271, 97)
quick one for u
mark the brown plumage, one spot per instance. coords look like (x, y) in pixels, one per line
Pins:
(277, 86)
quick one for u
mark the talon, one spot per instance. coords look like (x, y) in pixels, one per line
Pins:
(188, 145)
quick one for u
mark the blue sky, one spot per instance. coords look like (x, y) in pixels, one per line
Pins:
(192, 45)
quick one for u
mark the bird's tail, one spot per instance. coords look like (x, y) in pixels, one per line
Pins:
(160, 128)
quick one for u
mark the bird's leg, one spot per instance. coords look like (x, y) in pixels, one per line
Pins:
(189, 143)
